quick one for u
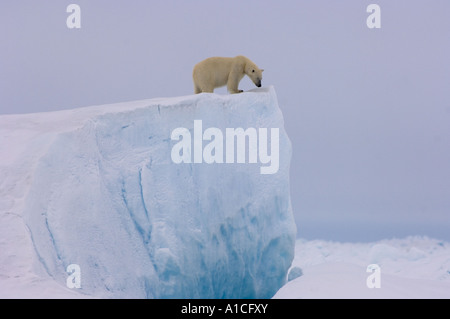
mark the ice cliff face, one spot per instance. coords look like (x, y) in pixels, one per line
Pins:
(107, 195)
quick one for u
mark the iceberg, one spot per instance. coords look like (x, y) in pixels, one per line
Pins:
(99, 189)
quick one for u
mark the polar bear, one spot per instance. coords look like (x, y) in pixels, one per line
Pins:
(218, 71)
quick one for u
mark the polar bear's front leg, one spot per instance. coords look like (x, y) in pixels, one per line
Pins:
(233, 86)
(233, 82)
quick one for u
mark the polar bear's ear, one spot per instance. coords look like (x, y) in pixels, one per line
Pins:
(262, 70)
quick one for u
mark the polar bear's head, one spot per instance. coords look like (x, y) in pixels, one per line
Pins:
(254, 73)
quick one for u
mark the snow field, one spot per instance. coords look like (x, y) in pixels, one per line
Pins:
(412, 267)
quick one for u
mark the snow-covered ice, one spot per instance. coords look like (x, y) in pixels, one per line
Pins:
(412, 267)
(97, 187)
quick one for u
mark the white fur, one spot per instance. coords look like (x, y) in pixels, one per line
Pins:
(218, 71)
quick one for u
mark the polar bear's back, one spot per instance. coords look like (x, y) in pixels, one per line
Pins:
(212, 71)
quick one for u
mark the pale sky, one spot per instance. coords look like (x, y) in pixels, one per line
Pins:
(367, 110)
